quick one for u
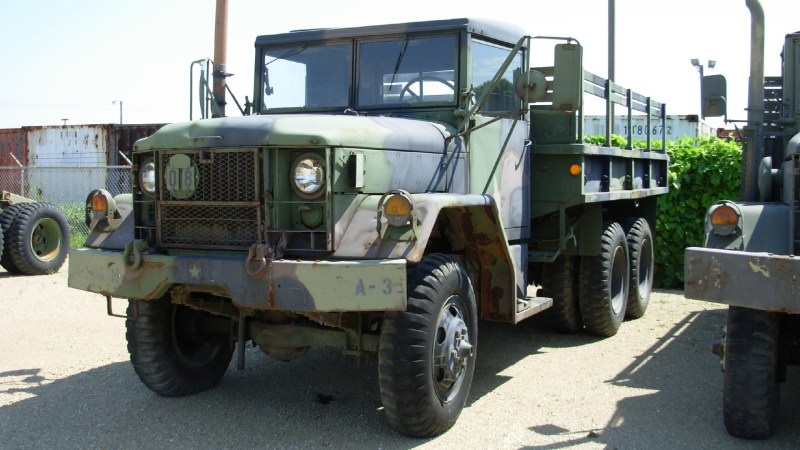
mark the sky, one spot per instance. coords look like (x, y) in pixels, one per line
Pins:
(82, 60)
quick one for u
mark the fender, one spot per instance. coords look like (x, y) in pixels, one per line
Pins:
(469, 223)
(116, 238)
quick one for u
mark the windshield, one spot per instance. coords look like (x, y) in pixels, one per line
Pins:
(400, 72)
(306, 76)
(408, 70)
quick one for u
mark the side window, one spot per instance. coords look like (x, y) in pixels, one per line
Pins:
(486, 60)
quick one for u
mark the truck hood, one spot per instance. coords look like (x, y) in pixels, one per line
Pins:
(301, 130)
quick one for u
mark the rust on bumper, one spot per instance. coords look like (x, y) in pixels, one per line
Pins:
(291, 285)
(762, 281)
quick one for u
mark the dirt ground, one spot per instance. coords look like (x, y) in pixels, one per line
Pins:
(66, 382)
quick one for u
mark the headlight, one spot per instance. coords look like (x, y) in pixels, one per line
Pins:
(100, 207)
(147, 177)
(397, 209)
(308, 176)
(724, 218)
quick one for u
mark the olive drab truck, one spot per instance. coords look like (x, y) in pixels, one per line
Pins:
(749, 256)
(34, 236)
(393, 186)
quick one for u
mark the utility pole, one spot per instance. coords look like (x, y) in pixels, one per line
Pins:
(611, 50)
(120, 109)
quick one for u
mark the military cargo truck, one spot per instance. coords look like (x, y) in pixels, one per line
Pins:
(34, 236)
(749, 256)
(395, 185)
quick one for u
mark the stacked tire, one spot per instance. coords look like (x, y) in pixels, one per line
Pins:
(35, 238)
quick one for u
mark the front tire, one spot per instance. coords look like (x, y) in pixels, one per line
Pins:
(170, 351)
(604, 283)
(427, 353)
(750, 388)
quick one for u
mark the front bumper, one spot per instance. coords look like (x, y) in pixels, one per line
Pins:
(762, 281)
(289, 285)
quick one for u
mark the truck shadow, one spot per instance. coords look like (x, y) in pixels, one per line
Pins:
(321, 401)
(680, 401)
(310, 402)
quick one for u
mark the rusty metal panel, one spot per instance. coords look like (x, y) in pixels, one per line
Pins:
(13, 151)
(67, 146)
(13, 144)
(761, 281)
(122, 137)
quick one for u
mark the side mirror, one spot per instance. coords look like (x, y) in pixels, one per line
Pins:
(714, 91)
(568, 77)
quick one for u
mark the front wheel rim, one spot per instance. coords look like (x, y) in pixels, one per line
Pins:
(452, 348)
(45, 242)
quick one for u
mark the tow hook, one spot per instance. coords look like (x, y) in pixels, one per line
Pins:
(136, 246)
(258, 260)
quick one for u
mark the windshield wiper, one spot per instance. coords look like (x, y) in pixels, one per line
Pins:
(268, 90)
(398, 62)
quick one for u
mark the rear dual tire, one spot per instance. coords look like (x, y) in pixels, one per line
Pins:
(642, 265)
(603, 283)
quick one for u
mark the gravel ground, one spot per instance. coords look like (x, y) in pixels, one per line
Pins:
(65, 382)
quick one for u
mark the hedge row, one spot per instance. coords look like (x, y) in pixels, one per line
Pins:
(702, 171)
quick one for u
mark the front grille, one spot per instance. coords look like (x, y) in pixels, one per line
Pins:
(203, 226)
(222, 176)
(220, 209)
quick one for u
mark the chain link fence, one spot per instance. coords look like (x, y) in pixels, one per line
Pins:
(67, 188)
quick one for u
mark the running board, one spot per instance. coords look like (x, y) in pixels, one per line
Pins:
(530, 306)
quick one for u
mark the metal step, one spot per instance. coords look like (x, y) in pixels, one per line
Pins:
(529, 306)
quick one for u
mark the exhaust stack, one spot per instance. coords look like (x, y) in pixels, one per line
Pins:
(220, 57)
(755, 104)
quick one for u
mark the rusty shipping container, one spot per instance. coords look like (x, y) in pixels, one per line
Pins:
(75, 145)
(13, 152)
(65, 159)
(68, 146)
(122, 139)
(13, 147)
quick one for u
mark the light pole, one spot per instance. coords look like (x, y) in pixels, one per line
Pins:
(696, 63)
(114, 102)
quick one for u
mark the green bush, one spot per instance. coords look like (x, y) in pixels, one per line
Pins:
(701, 172)
(76, 216)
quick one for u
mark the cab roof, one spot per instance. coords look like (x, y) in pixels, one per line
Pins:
(493, 30)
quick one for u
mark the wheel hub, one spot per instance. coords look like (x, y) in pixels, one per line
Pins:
(452, 348)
